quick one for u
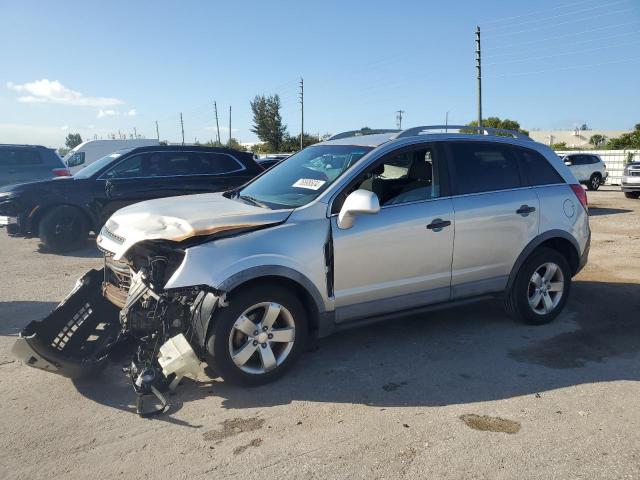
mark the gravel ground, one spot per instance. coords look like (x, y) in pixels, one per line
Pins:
(464, 393)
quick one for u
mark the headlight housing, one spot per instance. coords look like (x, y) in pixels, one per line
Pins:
(626, 170)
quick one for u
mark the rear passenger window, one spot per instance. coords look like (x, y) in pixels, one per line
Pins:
(483, 167)
(214, 163)
(29, 157)
(538, 170)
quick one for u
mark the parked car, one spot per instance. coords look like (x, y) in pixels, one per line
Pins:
(63, 212)
(341, 234)
(589, 169)
(27, 163)
(271, 160)
(88, 152)
(631, 180)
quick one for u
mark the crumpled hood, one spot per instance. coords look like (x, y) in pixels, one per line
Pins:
(179, 218)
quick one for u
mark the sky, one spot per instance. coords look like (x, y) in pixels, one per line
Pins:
(99, 68)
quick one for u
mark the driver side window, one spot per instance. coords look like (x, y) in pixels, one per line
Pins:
(129, 168)
(403, 178)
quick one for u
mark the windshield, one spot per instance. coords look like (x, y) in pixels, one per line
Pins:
(301, 178)
(94, 167)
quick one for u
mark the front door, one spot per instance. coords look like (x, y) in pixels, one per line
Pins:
(399, 258)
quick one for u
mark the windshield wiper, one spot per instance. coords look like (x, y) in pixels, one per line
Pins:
(253, 201)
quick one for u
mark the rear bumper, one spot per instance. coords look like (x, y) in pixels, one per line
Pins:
(75, 339)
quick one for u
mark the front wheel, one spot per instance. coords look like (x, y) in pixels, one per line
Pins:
(594, 182)
(258, 336)
(541, 288)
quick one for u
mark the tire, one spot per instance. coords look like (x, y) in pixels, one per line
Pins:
(231, 335)
(632, 194)
(63, 229)
(524, 291)
(594, 182)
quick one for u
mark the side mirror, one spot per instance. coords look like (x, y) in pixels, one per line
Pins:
(360, 202)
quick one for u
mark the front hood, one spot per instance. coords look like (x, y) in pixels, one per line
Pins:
(52, 184)
(179, 218)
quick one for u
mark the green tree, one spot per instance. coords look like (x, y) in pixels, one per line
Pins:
(267, 121)
(292, 143)
(597, 140)
(73, 140)
(626, 140)
(497, 122)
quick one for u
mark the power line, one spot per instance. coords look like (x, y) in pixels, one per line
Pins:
(501, 35)
(399, 118)
(581, 42)
(215, 108)
(546, 19)
(301, 113)
(541, 57)
(570, 67)
(559, 7)
(479, 67)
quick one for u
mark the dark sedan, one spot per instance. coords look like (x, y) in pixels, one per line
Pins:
(63, 211)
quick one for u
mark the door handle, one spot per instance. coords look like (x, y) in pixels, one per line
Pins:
(438, 224)
(525, 210)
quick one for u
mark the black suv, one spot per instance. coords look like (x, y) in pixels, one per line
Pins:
(27, 163)
(63, 211)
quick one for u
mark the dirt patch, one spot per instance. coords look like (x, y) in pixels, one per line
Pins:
(234, 427)
(256, 442)
(486, 423)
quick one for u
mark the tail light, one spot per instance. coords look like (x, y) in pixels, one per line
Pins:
(61, 172)
(581, 194)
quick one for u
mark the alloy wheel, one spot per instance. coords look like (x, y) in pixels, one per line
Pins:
(262, 338)
(546, 287)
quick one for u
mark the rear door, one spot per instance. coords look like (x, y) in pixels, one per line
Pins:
(496, 215)
(7, 166)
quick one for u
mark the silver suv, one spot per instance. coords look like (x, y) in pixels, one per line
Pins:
(631, 180)
(346, 232)
(589, 169)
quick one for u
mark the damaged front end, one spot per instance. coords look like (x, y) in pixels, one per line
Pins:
(126, 300)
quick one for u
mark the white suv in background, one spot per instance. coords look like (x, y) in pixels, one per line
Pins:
(589, 169)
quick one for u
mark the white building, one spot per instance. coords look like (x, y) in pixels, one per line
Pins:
(572, 138)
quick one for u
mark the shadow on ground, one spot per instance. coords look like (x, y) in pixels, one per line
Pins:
(596, 211)
(468, 354)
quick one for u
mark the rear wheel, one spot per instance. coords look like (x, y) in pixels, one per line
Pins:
(541, 288)
(64, 228)
(632, 194)
(258, 336)
(594, 182)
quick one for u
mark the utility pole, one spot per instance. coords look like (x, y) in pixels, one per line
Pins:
(301, 113)
(229, 125)
(399, 118)
(446, 121)
(157, 131)
(135, 133)
(182, 128)
(479, 67)
(215, 109)
(119, 135)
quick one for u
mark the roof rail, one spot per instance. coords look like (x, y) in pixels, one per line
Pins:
(411, 132)
(359, 133)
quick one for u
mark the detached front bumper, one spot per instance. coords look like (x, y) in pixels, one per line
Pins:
(75, 339)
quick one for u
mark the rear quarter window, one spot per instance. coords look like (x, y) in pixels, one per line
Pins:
(537, 168)
(214, 163)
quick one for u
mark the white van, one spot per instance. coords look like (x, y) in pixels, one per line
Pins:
(90, 151)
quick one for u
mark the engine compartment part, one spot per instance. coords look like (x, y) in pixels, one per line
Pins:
(115, 304)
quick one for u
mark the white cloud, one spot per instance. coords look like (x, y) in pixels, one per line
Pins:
(116, 113)
(52, 91)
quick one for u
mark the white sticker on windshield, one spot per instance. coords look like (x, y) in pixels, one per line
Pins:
(309, 183)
